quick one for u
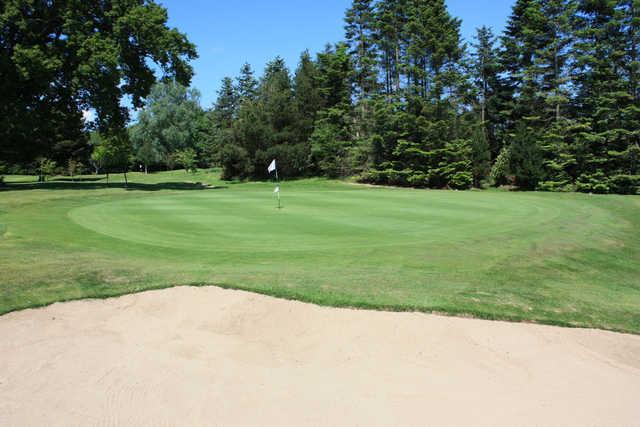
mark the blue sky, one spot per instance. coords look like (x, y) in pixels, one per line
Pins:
(229, 33)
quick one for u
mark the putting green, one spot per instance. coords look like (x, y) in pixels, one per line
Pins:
(569, 259)
(330, 220)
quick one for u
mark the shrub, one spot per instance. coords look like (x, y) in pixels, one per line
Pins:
(461, 180)
(418, 179)
(593, 183)
(46, 167)
(500, 170)
(562, 186)
(525, 158)
(235, 162)
(187, 158)
(292, 160)
(74, 168)
(625, 184)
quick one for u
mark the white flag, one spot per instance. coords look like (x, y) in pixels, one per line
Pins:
(272, 166)
(277, 190)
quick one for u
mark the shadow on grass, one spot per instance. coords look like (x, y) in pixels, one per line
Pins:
(97, 184)
(79, 179)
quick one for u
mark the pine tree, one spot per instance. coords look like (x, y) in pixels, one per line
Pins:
(390, 18)
(562, 145)
(359, 29)
(486, 74)
(277, 101)
(525, 158)
(517, 55)
(331, 141)
(480, 155)
(226, 106)
(247, 85)
(307, 95)
(607, 99)
(435, 146)
(552, 58)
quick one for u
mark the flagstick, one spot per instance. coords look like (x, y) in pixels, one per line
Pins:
(278, 184)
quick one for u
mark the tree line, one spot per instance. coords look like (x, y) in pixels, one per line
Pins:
(552, 103)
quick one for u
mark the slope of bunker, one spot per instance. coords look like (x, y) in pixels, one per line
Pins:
(202, 356)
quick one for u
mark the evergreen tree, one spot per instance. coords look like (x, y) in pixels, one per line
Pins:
(276, 97)
(215, 129)
(563, 148)
(359, 29)
(551, 61)
(389, 29)
(607, 94)
(331, 141)
(429, 145)
(267, 128)
(307, 96)
(486, 75)
(525, 158)
(247, 85)
(480, 155)
(226, 105)
(518, 48)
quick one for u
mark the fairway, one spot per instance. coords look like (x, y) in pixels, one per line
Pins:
(568, 259)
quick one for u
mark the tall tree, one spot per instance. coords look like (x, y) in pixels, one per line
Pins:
(169, 119)
(226, 106)
(58, 59)
(307, 95)
(391, 17)
(145, 148)
(518, 47)
(359, 28)
(247, 85)
(525, 158)
(422, 137)
(486, 73)
(331, 141)
(554, 54)
(606, 99)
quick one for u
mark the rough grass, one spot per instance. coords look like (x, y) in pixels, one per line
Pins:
(566, 259)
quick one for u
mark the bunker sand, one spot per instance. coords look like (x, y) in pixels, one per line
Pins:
(208, 356)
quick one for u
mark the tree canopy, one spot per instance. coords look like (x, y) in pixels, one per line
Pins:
(61, 58)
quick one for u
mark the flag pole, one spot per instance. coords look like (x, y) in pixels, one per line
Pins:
(278, 184)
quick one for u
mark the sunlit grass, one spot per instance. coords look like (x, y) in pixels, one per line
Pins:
(569, 259)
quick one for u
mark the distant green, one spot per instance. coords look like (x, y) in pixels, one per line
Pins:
(567, 259)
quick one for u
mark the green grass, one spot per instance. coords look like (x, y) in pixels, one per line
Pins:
(566, 259)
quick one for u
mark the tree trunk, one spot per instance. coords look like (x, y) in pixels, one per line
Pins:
(557, 83)
(146, 170)
(397, 70)
(126, 183)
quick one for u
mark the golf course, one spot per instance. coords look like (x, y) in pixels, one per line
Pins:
(554, 258)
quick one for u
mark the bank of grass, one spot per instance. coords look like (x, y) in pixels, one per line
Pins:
(566, 259)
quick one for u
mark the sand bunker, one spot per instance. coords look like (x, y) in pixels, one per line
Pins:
(208, 356)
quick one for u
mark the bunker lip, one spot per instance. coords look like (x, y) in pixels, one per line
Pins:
(187, 355)
(363, 306)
